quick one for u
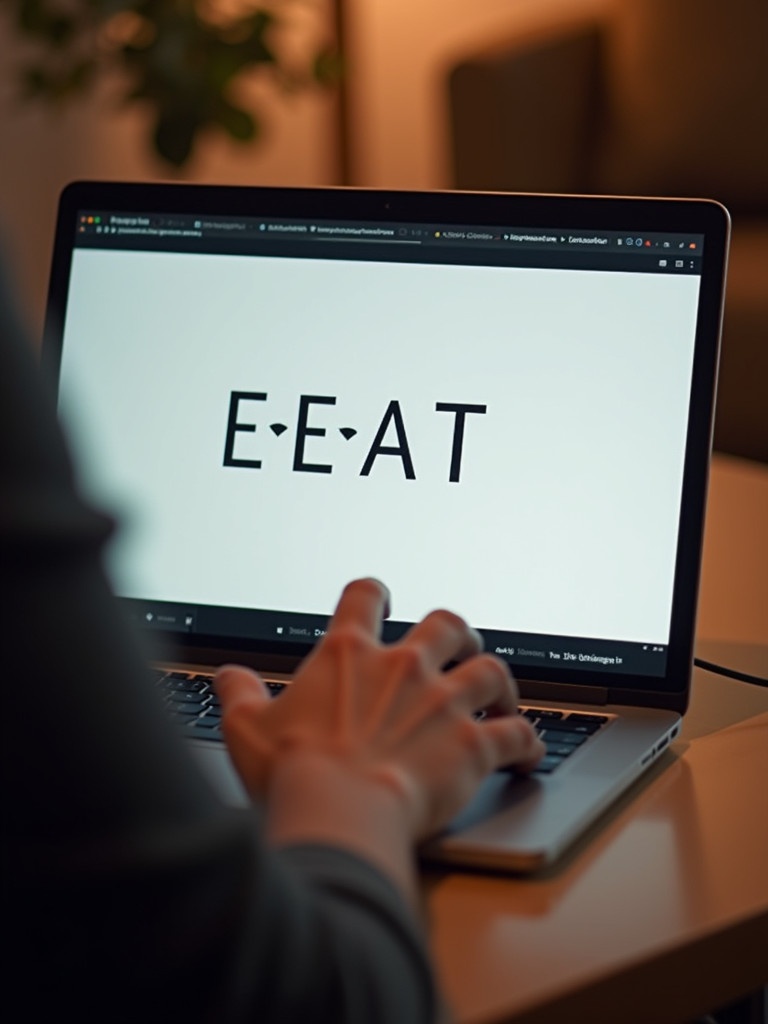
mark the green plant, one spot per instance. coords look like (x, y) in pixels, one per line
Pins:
(186, 60)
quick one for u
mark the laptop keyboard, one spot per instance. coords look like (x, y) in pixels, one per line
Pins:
(193, 703)
(563, 733)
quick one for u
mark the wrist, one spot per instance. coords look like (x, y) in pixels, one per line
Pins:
(313, 798)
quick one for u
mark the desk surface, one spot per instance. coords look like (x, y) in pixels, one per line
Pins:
(661, 912)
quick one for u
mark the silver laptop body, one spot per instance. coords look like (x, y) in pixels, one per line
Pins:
(500, 404)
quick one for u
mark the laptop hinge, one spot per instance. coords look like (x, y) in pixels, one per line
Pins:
(572, 693)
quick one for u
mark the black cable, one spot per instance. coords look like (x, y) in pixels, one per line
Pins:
(721, 670)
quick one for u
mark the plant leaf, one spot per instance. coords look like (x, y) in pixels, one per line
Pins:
(174, 137)
(182, 68)
(328, 66)
(238, 123)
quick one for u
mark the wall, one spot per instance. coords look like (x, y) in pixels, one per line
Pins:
(399, 54)
(41, 150)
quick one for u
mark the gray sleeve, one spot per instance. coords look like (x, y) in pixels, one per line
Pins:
(131, 892)
(379, 965)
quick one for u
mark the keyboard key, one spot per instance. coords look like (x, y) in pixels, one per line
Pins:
(600, 719)
(547, 765)
(573, 724)
(185, 686)
(179, 697)
(536, 714)
(561, 750)
(208, 727)
(573, 739)
(184, 709)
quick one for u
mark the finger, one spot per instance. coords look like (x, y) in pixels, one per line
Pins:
(444, 637)
(485, 682)
(363, 603)
(514, 742)
(239, 687)
(243, 696)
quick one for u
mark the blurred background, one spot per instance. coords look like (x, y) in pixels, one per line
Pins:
(397, 56)
(663, 97)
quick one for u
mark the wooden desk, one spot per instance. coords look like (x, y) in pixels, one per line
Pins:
(661, 912)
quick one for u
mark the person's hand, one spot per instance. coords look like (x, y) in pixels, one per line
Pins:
(388, 716)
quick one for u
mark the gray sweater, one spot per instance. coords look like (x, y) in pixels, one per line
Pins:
(130, 892)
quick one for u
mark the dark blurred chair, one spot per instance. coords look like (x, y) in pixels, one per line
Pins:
(654, 97)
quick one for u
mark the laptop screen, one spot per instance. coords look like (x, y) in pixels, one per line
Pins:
(489, 417)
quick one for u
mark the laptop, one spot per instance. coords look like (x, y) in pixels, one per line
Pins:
(499, 404)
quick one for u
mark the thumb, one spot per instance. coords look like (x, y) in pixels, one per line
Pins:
(239, 688)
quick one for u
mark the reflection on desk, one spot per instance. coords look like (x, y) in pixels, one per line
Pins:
(659, 914)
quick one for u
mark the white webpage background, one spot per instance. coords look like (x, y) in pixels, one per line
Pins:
(565, 517)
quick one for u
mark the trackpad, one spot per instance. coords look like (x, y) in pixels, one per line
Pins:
(217, 767)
